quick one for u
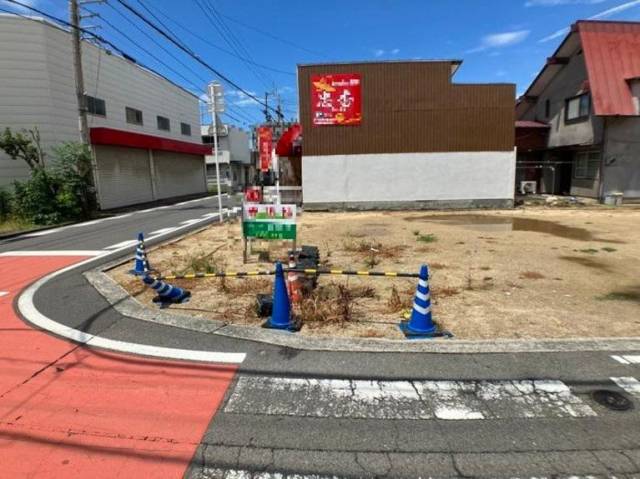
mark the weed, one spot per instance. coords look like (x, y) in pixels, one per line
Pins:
(588, 251)
(265, 256)
(416, 233)
(532, 275)
(609, 249)
(369, 247)
(428, 238)
(485, 268)
(243, 286)
(395, 303)
(372, 260)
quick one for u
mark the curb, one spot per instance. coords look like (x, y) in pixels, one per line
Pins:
(128, 306)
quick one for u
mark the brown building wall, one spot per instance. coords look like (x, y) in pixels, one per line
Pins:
(412, 107)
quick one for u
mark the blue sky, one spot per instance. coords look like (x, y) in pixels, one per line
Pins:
(498, 40)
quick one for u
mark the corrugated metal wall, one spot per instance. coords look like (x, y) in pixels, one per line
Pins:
(412, 107)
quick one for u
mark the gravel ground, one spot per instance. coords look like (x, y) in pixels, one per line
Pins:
(532, 272)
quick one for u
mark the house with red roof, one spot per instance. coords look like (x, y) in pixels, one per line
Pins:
(578, 123)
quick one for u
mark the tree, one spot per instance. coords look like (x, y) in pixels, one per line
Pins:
(25, 146)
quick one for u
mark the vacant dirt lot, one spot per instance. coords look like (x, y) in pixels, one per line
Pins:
(525, 273)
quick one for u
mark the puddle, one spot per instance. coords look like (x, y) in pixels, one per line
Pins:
(506, 223)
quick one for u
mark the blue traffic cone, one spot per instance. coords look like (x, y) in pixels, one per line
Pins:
(421, 324)
(166, 292)
(142, 266)
(281, 313)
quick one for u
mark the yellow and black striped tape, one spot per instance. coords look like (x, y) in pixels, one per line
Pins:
(311, 272)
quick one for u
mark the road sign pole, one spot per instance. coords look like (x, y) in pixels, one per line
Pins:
(215, 91)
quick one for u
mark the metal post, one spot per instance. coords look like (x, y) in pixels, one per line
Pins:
(74, 19)
(215, 89)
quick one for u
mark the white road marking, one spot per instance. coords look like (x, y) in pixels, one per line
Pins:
(191, 222)
(163, 231)
(27, 308)
(4, 293)
(42, 233)
(631, 385)
(627, 359)
(55, 253)
(445, 400)
(124, 244)
(89, 223)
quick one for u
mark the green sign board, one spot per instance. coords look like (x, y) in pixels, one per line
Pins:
(269, 222)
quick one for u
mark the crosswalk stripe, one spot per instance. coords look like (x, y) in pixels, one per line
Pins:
(444, 400)
(627, 359)
(629, 384)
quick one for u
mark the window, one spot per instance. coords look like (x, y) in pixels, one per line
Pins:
(164, 123)
(547, 109)
(577, 108)
(185, 128)
(587, 165)
(95, 106)
(133, 116)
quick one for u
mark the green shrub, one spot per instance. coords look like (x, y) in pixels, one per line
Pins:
(5, 204)
(63, 194)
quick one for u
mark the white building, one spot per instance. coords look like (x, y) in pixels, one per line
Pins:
(144, 128)
(234, 156)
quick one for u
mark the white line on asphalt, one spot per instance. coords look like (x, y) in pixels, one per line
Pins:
(55, 253)
(627, 359)
(631, 385)
(163, 231)
(43, 233)
(124, 244)
(89, 223)
(445, 400)
(4, 293)
(28, 309)
(191, 222)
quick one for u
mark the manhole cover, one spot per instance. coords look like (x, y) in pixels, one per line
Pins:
(611, 400)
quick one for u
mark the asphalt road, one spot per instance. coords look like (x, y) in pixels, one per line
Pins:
(343, 414)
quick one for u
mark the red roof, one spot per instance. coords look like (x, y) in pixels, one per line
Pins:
(612, 56)
(112, 137)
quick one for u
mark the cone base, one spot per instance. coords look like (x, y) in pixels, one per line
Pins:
(183, 298)
(411, 333)
(292, 326)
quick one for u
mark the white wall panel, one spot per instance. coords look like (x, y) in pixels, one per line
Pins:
(408, 177)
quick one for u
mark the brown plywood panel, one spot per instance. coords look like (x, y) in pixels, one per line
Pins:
(410, 107)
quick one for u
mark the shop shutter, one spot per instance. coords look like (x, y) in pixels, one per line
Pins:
(124, 177)
(178, 174)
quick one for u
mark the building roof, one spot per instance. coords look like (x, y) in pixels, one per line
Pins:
(612, 58)
(455, 64)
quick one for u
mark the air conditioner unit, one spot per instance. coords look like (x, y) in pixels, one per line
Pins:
(528, 187)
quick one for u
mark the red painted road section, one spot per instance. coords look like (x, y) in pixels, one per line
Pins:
(67, 411)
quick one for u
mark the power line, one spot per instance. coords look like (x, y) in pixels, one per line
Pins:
(190, 53)
(233, 36)
(228, 40)
(213, 45)
(158, 44)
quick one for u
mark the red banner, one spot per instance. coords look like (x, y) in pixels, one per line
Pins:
(265, 145)
(336, 99)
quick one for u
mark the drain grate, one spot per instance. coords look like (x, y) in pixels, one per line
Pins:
(612, 400)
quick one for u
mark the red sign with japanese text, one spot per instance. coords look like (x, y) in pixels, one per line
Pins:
(336, 99)
(265, 145)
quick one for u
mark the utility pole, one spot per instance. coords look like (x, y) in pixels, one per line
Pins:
(267, 113)
(216, 100)
(76, 47)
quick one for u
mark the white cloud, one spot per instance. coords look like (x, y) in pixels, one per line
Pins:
(395, 51)
(598, 16)
(499, 40)
(379, 52)
(239, 98)
(555, 3)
